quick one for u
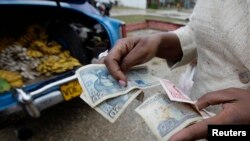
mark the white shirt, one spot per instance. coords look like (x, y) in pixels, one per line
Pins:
(218, 34)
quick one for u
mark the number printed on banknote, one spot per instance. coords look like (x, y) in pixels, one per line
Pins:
(165, 117)
(112, 108)
(99, 85)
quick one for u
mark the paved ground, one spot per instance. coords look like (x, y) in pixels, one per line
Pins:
(76, 121)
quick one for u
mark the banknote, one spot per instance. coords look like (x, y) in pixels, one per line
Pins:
(175, 94)
(165, 117)
(112, 108)
(99, 85)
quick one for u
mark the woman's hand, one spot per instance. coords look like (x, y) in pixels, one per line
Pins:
(236, 106)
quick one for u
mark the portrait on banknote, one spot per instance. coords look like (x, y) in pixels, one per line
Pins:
(104, 81)
(165, 117)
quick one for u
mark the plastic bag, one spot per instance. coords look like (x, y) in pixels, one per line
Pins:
(186, 80)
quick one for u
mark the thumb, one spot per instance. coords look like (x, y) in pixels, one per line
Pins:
(199, 129)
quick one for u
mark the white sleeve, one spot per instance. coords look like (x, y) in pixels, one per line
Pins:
(188, 46)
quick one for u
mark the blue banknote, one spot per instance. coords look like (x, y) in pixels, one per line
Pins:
(99, 85)
(165, 117)
(112, 108)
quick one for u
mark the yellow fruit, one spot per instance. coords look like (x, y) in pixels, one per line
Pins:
(17, 84)
(12, 78)
(34, 53)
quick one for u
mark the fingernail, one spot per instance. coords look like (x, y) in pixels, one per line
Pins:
(122, 83)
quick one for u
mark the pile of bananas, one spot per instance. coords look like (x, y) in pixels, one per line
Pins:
(46, 48)
(34, 32)
(57, 64)
(32, 55)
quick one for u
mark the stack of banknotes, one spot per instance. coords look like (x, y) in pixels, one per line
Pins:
(103, 93)
(165, 113)
(168, 113)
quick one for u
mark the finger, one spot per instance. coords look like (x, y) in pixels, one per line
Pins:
(193, 132)
(199, 130)
(131, 59)
(112, 61)
(214, 98)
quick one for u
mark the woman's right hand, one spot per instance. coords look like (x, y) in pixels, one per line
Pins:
(128, 52)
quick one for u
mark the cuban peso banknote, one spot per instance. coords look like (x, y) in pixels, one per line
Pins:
(112, 108)
(99, 85)
(175, 94)
(165, 117)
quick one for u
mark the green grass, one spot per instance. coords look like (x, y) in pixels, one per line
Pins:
(141, 18)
